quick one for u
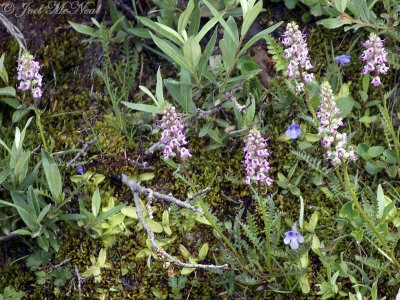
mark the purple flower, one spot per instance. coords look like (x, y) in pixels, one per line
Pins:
(28, 75)
(255, 153)
(342, 59)
(173, 136)
(329, 124)
(298, 55)
(375, 57)
(293, 131)
(79, 170)
(293, 237)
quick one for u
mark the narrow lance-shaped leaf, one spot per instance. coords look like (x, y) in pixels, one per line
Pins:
(53, 175)
(184, 17)
(192, 52)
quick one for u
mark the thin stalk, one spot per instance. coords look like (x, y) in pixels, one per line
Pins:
(307, 95)
(266, 224)
(395, 139)
(340, 178)
(39, 123)
(365, 217)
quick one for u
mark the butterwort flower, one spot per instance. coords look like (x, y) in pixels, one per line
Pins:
(293, 237)
(342, 59)
(293, 131)
(375, 57)
(298, 55)
(256, 153)
(28, 75)
(79, 170)
(173, 137)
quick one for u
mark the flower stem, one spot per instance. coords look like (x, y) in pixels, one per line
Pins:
(266, 224)
(365, 217)
(307, 95)
(39, 124)
(395, 139)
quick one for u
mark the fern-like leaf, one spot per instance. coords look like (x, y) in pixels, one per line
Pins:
(277, 51)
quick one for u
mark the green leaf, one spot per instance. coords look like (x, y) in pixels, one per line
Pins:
(43, 243)
(53, 241)
(228, 55)
(19, 114)
(210, 24)
(22, 164)
(312, 138)
(192, 52)
(154, 226)
(390, 157)
(375, 151)
(184, 17)
(96, 201)
(332, 23)
(250, 16)
(3, 72)
(162, 30)
(221, 20)
(143, 107)
(348, 211)
(4, 174)
(172, 52)
(358, 235)
(187, 271)
(374, 167)
(380, 197)
(345, 105)
(53, 175)
(146, 177)
(7, 91)
(301, 216)
(140, 32)
(43, 213)
(259, 36)
(203, 251)
(107, 214)
(130, 212)
(208, 51)
(184, 251)
(341, 5)
(148, 93)
(83, 29)
(186, 92)
(159, 89)
(195, 20)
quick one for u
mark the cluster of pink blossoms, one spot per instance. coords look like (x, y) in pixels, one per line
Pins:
(255, 163)
(375, 57)
(28, 75)
(298, 52)
(329, 124)
(173, 136)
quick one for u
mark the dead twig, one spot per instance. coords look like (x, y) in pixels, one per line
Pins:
(84, 149)
(161, 253)
(137, 188)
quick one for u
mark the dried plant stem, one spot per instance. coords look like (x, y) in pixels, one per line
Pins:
(84, 149)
